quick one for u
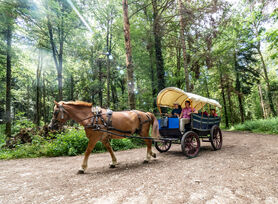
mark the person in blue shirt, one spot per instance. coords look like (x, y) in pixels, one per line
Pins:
(176, 111)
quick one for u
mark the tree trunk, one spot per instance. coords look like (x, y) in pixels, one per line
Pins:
(158, 50)
(262, 100)
(239, 95)
(60, 82)
(43, 99)
(178, 53)
(230, 105)
(108, 82)
(152, 74)
(182, 39)
(114, 95)
(269, 94)
(99, 83)
(58, 57)
(129, 65)
(8, 83)
(224, 100)
(206, 85)
(38, 97)
(71, 87)
(238, 89)
(108, 46)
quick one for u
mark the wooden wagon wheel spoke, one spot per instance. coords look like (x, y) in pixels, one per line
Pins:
(190, 144)
(163, 146)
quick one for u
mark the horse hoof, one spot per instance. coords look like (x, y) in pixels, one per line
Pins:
(81, 171)
(145, 161)
(154, 155)
(112, 166)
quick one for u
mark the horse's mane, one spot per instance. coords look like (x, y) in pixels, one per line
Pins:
(79, 103)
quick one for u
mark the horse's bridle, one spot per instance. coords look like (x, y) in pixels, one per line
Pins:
(60, 110)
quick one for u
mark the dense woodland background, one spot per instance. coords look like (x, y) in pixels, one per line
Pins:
(121, 54)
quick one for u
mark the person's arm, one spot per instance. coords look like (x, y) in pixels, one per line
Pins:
(181, 115)
(174, 113)
(193, 111)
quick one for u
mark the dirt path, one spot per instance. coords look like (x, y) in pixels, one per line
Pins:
(244, 171)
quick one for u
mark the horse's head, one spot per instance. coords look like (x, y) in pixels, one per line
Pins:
(60, 115)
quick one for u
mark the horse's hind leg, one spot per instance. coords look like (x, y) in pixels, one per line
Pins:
(91, 144)
(109, 148)
(149, 151)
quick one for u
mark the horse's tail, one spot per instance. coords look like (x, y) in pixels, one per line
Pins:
(155, 126)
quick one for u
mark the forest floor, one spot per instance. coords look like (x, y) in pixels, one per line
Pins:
(245, 170)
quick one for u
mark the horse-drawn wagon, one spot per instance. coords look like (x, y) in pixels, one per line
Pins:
(103, 124)
(204, 127)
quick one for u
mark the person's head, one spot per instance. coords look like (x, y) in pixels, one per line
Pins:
(212, 111)
(176, 105)
(187, 104)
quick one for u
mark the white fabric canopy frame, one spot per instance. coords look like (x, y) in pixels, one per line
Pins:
(168, 96)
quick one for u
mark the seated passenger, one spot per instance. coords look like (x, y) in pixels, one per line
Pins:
(205, 113)
(185, 115)
(213, 112)
(176, 111)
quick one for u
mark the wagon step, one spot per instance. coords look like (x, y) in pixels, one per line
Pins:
(205, 140)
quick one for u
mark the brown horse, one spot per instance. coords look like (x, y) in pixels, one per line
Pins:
(94, 118)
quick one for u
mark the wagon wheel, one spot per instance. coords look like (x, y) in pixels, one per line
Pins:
(216, 137)
(190, 144)
(163, 146)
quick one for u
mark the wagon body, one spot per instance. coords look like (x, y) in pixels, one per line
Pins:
(201, 127)
(169, 127)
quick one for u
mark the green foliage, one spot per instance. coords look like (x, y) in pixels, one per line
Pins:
(2, 136)
(71, 143)
(122, 144)
(21, 122)
(269, 126)
(222, 43)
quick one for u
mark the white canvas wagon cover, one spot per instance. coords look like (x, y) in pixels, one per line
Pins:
(168, 96)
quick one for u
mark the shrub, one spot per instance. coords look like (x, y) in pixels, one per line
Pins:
(71, 143)
(269, 126)
(21, 122)
(122, 144)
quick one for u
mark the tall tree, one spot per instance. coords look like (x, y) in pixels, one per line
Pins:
(57, 53)
(7, 16)
(61, 21)
(38, 88)
(256, 20)
(183, 45)
(8, 77)
(129, 64)
(157, 32)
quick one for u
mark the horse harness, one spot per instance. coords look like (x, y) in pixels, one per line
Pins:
(98, 122)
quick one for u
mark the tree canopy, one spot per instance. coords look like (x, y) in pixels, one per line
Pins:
(120, 54)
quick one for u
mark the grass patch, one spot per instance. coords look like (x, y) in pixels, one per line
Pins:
(267, 126)
(71, 143)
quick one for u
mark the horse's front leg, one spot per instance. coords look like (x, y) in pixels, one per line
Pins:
(106, 143)
(91, 144)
